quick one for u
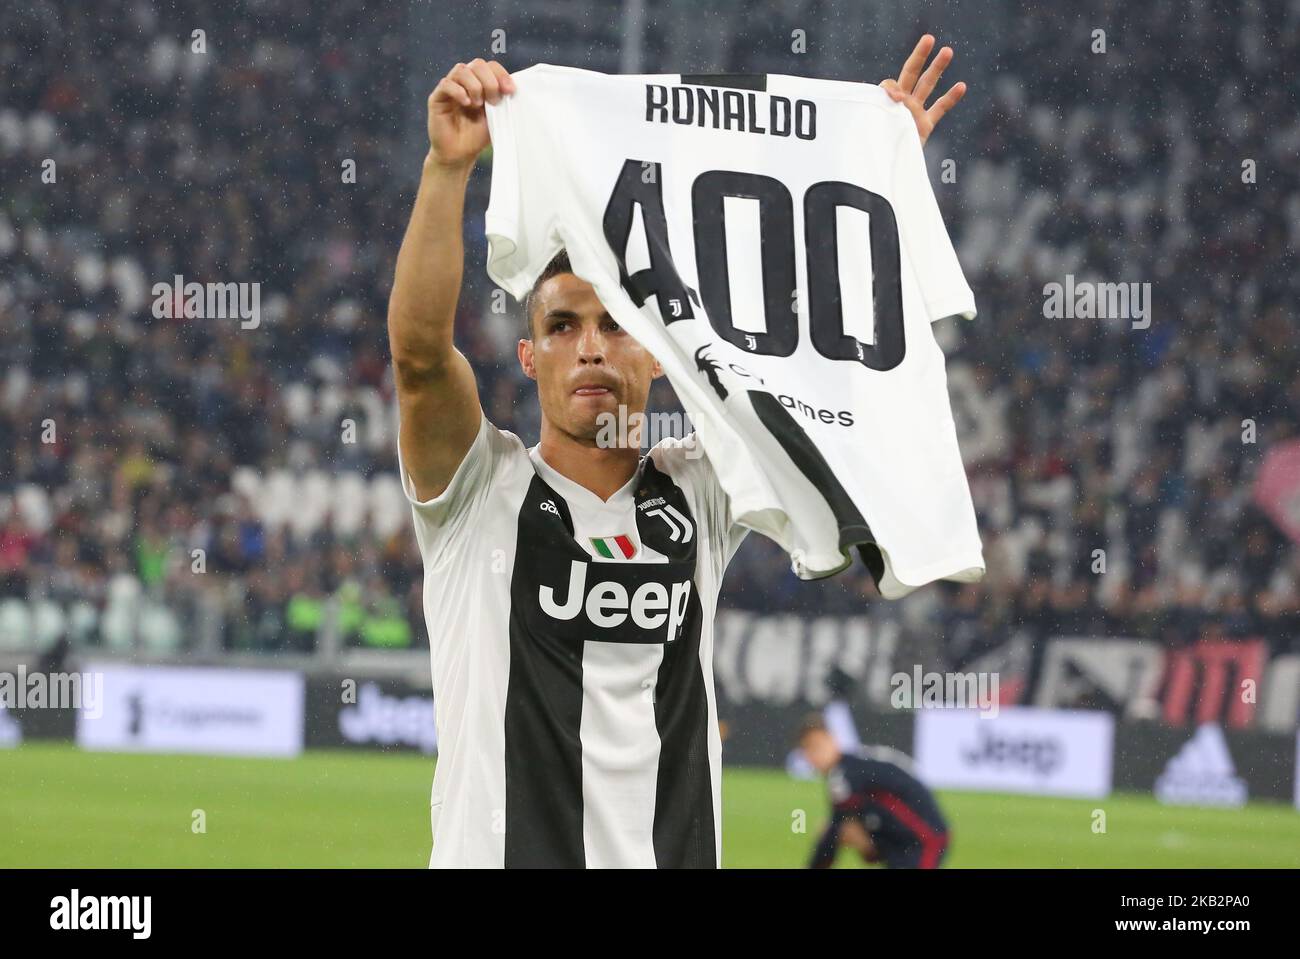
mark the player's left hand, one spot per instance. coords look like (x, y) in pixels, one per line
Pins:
(913, 88)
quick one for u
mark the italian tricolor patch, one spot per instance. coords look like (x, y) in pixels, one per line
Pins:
(613, 547)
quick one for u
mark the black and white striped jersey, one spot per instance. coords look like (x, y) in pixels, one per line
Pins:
(571, 643)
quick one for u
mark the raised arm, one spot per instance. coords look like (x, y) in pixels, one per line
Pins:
(436, 393)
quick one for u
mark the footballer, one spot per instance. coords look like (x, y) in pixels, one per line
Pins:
(570, 587)
(879, 809)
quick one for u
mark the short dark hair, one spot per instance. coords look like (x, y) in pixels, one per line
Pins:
(559, 264)
(811, 723)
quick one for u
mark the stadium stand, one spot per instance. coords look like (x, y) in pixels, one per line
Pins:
(145, 451)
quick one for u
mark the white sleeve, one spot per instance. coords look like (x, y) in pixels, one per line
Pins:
(521, 232)
(446, 520)
(923, 235)
(735, 532)
(732, 533)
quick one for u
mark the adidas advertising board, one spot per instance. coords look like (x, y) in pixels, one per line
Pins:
(1202, 773)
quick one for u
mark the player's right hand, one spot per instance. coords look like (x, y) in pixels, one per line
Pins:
(458, 129)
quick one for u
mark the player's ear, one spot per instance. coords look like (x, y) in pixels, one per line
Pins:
(657, 371)
(525, 352)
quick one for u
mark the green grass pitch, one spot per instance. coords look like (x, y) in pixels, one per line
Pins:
(61, 807)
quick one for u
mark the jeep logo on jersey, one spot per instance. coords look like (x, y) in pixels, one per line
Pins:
(634, 607)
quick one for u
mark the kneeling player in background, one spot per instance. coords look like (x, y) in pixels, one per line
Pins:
(878, 807)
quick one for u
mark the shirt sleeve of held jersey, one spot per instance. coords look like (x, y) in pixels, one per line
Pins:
(519, 223)
(449, 519)
(732, 532)
(922, 232)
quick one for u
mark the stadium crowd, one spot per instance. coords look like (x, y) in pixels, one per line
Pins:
(125, 431)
